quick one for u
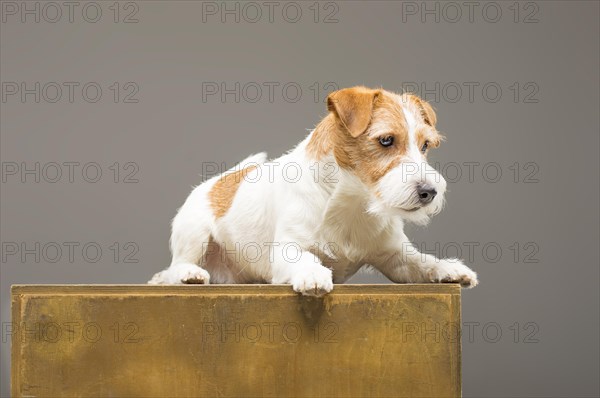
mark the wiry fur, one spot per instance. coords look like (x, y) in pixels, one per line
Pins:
(341, 205)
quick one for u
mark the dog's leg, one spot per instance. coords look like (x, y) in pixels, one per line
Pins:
(189, 244)
(300, 268)
(408, 265)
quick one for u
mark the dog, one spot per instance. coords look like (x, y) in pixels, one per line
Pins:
(335, 203)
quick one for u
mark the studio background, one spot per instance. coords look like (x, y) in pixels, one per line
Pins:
(161, 126)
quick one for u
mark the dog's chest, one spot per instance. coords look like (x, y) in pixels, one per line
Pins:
(346, 244)
(349, 230)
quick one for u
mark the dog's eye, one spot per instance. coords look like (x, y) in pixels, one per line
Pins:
(386, 141)
(425, 146)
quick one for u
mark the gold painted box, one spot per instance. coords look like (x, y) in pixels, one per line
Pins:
(235, 341)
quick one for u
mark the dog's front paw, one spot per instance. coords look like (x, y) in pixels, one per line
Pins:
(453, 271)
(181, 273)
(313, 281)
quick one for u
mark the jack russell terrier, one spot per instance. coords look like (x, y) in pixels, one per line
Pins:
(316, 215)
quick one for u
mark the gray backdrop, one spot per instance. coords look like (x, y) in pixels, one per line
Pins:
(129, 92)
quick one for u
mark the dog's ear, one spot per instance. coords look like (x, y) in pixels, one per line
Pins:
(426, 110)
(353, 107)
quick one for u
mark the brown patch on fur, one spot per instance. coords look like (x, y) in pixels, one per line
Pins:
(428, 134)
(222, 193)
(359, 150)
(319, 144)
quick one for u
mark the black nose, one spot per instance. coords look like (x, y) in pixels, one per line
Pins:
(426, 193)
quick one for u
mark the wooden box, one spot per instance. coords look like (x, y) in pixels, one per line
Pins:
(235, 341)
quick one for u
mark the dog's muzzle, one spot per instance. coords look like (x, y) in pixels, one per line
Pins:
(426, 193)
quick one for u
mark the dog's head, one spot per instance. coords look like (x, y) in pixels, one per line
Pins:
(383, 138)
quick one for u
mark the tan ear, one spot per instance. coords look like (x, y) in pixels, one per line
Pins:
(353, 107)
(426, 111)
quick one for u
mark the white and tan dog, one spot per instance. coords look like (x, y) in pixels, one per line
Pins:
(316, 215)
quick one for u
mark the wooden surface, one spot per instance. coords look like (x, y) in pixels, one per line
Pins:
(235, 340)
